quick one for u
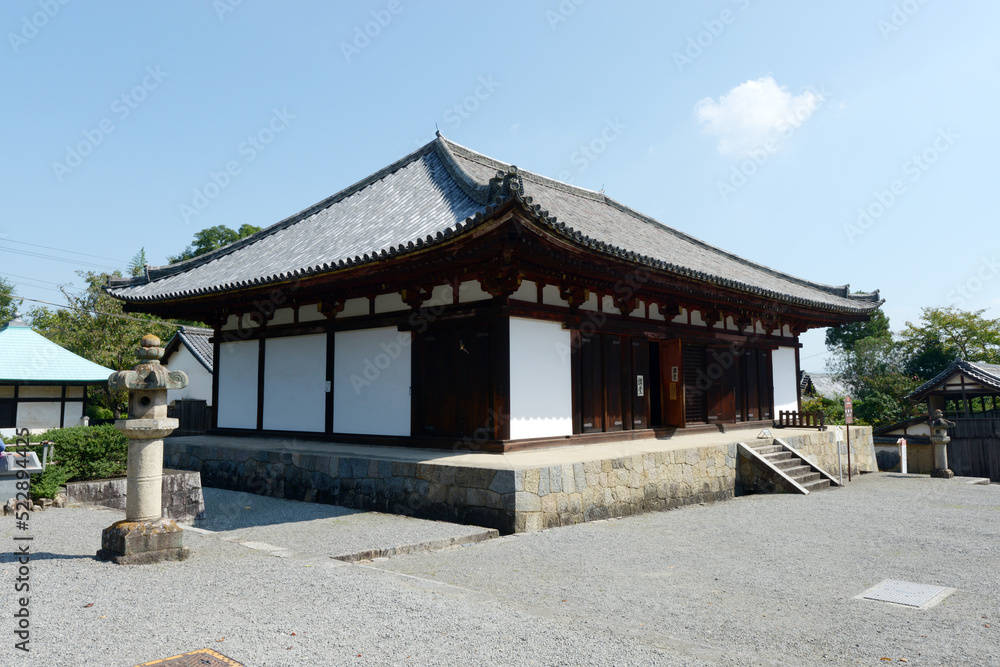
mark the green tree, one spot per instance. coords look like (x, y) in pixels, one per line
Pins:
(876, 372)
(946, 334)
(95, 327)
(213, 238)
(845, 336)
(9, 304)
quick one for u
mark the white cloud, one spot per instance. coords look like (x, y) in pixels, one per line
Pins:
(756, 114)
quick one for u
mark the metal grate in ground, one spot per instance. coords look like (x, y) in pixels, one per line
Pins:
(202, 658)
(906, 593)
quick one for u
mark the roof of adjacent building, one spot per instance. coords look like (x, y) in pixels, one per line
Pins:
(985, 374)
(198, 342)
(441, 190)
(823, 384)
(28, 356)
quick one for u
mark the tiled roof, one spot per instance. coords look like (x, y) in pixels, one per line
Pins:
(28, 356)
(440, 191)
(824, 384)
(197, 341)
(986, 374)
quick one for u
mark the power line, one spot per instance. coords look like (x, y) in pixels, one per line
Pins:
(72, 252)
(98, 312)
(58, 259)
(61, 286)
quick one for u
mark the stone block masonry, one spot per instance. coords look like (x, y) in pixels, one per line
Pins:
(181, 492)
(508, 493)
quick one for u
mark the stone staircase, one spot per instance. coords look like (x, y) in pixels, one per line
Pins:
(788, 468)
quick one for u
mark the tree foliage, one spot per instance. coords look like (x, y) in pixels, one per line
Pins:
(9, 304)
(96, 328)
(845, 336)
(946, 334)
(882, 368)
(213, 238)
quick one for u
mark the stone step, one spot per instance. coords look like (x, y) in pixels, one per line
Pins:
(797, 470)
(817, 485)
(768, 449)
(806, 478)
(778, 456)
(786, 463)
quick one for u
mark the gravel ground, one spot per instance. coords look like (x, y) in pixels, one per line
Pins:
(756, 580)
(323, 530)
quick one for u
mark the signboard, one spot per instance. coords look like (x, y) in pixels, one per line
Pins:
(840, 433)
(674, 374)
(848, 411)
(902, 455)
(640, 389)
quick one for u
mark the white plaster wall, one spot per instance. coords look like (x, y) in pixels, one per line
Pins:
(74, 413)
(551, 296)
(354, 307)
(74, 392)
(786, 380)
(295, 383)
(389, 303)
(528, 291)
(371, 385)
(471, 290)
(237, 384)
(590, 303)
(654, 312)
(282, 316)
(608, 305)
(310, 313)
(199, 379)
(541, 387)
(38, 415)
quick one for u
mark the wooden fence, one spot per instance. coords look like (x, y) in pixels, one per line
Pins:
(793, 419)
(974, 450)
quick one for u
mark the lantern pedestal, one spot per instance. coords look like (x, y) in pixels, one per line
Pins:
(144, 536)
(940, 439)
(143, 542)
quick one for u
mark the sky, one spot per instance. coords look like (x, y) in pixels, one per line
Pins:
(849, 142)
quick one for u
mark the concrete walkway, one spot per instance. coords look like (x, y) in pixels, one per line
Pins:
(292, 529)
(524, 460)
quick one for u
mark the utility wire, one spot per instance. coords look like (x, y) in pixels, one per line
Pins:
(48, 247)
(98, 312)
(58, 259)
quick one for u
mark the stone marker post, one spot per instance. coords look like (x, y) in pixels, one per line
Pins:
(145, 536)
(940, 440)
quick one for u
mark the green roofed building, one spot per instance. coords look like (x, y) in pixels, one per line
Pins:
(42, 385)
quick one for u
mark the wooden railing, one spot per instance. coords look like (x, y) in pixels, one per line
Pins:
(793, 419)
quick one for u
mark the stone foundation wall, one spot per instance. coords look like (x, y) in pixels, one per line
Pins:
(573, 493)
(508, 500)
(821, 448)
(182, 497)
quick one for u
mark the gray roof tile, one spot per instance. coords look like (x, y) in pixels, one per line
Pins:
(440, 190)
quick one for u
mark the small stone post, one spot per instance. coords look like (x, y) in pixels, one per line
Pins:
(940, 440)
(145, 536)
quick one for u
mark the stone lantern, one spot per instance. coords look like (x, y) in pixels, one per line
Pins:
(145, 536)
(939, 440)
